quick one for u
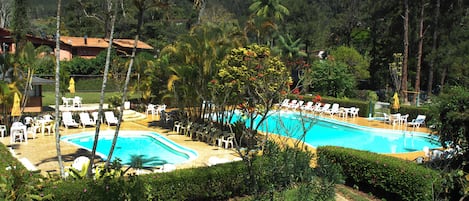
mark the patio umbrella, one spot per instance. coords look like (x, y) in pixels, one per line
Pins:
(15, 110)
(395, 104)
(71, 86)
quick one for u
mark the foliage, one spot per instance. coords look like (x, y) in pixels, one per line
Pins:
(356, 63)
(16, 182)
(451, 120)
(385, 176)
(279, 169)
(331, 78)
(452, 117)
(252, 77)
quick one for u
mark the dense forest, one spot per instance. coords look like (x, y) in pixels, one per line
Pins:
(430, 38)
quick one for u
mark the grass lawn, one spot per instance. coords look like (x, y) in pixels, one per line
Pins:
(48, 97)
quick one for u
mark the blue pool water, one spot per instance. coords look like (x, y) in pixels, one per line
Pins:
(324, 131)
(149, 144)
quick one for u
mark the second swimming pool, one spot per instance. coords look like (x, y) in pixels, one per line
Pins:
(150, 145)
(324, 131)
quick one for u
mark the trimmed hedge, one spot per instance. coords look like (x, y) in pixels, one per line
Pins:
(208, 183)
(386, 176)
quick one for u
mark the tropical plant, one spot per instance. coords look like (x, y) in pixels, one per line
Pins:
(193, 60)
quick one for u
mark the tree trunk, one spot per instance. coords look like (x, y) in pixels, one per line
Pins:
(103, 87)
(406, 53)
(127, 79)
(419, 55)
(431, 67)
(57, 91)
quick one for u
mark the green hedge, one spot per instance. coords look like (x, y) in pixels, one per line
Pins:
(390, 177)
(208, 183)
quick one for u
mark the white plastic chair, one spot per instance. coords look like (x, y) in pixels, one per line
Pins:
(151, 109)
(77, 101)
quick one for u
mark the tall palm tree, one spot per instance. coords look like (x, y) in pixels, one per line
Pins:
(142, 6)
(57, 90)
(270, 9)
(103, 86)
(270, 12)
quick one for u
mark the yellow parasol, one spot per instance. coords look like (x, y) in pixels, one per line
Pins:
(395, 104)
(71, 86)
(16, 110)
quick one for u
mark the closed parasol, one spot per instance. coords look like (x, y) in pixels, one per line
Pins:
(395, 104)
(16, 110)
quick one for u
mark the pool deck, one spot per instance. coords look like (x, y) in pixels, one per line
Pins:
(41, 151)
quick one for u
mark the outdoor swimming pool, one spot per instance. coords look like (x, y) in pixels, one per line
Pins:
(149, 144)
(324, 131)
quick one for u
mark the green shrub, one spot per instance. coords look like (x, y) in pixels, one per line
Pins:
(16, 182)
(276, 170)
(386, 176)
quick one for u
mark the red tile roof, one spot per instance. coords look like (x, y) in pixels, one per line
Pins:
(129, 43)
(80, 42)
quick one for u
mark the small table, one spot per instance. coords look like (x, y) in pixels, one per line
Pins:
(18, 128)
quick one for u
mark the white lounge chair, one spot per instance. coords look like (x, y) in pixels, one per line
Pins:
(292, 103)
(417, 122)
(324, 108)
(308, 106)
(297, 105)
(68, 120)
(96, 117)
(86, 120)
(333, 110)
(285, 103)
(110, 118)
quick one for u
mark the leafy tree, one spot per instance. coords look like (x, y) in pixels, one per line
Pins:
(331, 78)
(451, 121)
(452, 118)
(356, 63)
(254, 80)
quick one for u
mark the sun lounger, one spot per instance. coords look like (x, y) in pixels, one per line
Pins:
(417, 122)
(285, 103)
(324, 108)
(86, 120)
(110, 118)
(333, 110)
(68, 120)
